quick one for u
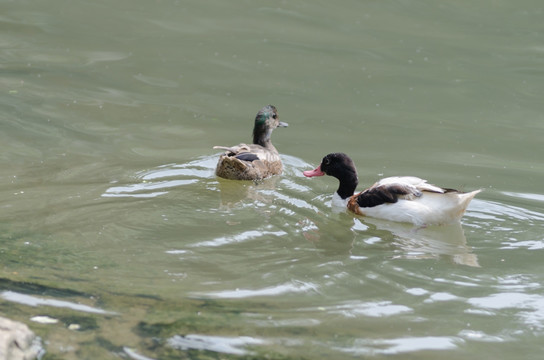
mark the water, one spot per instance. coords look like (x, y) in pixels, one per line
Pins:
(118, 240)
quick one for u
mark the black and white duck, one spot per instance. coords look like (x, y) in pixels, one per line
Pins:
(401, 198)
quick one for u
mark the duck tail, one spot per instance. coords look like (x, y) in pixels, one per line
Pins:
(466, 198)
(234, 149)
(223, 147)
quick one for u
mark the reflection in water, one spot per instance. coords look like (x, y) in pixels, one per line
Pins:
(413, 243)
(330, 233)
(430, 242)
(235, 191)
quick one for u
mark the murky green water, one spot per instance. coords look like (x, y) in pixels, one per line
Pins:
(114, 227)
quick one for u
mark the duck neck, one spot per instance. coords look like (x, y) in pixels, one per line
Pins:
(348, 183)
(262, 137)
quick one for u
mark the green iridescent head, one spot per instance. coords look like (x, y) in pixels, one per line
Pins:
(267, 119)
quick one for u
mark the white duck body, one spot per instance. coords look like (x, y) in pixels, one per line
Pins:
(423, 204)
(402, 198)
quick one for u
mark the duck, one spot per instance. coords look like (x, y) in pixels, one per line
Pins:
(255, 161)
(406, 199)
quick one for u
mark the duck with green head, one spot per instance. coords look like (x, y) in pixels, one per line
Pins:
(254, 161)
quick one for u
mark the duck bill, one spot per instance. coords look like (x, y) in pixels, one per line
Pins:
(283, 124)
(316, 172)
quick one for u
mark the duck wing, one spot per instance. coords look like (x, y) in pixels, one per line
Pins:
(410, 182)
(391, 189)
(250, 152)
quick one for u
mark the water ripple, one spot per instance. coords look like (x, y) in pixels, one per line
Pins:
(37, 301)
(530, 307)
(154, 81)
(370, 309)
(479, 336)
(401, 345)
(99, 56)
(135, 190)
(291, 287)
(528, 244)
(244, 236)
(535, 197)
(490, 210)
(163, 178)
(220, 344)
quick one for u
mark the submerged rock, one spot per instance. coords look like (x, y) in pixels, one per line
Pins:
(18, 342)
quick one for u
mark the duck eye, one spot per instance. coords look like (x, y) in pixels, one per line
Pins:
(326, 161)
(274, 116)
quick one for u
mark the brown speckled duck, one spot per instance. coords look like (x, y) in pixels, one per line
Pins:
(254, 161)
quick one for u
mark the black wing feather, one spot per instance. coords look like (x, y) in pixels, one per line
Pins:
(247, 157)
(379, 195)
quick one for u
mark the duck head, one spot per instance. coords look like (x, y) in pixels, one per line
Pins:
(266, 121)
(340, 166)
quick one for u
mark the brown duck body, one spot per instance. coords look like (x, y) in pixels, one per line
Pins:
(232, 166)
(255, 161)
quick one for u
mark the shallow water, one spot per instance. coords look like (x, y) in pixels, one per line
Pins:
(118, 240)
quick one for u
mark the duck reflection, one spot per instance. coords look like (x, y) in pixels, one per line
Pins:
(339, 232)
(431, 242)
(332, 233)
(235, 192)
